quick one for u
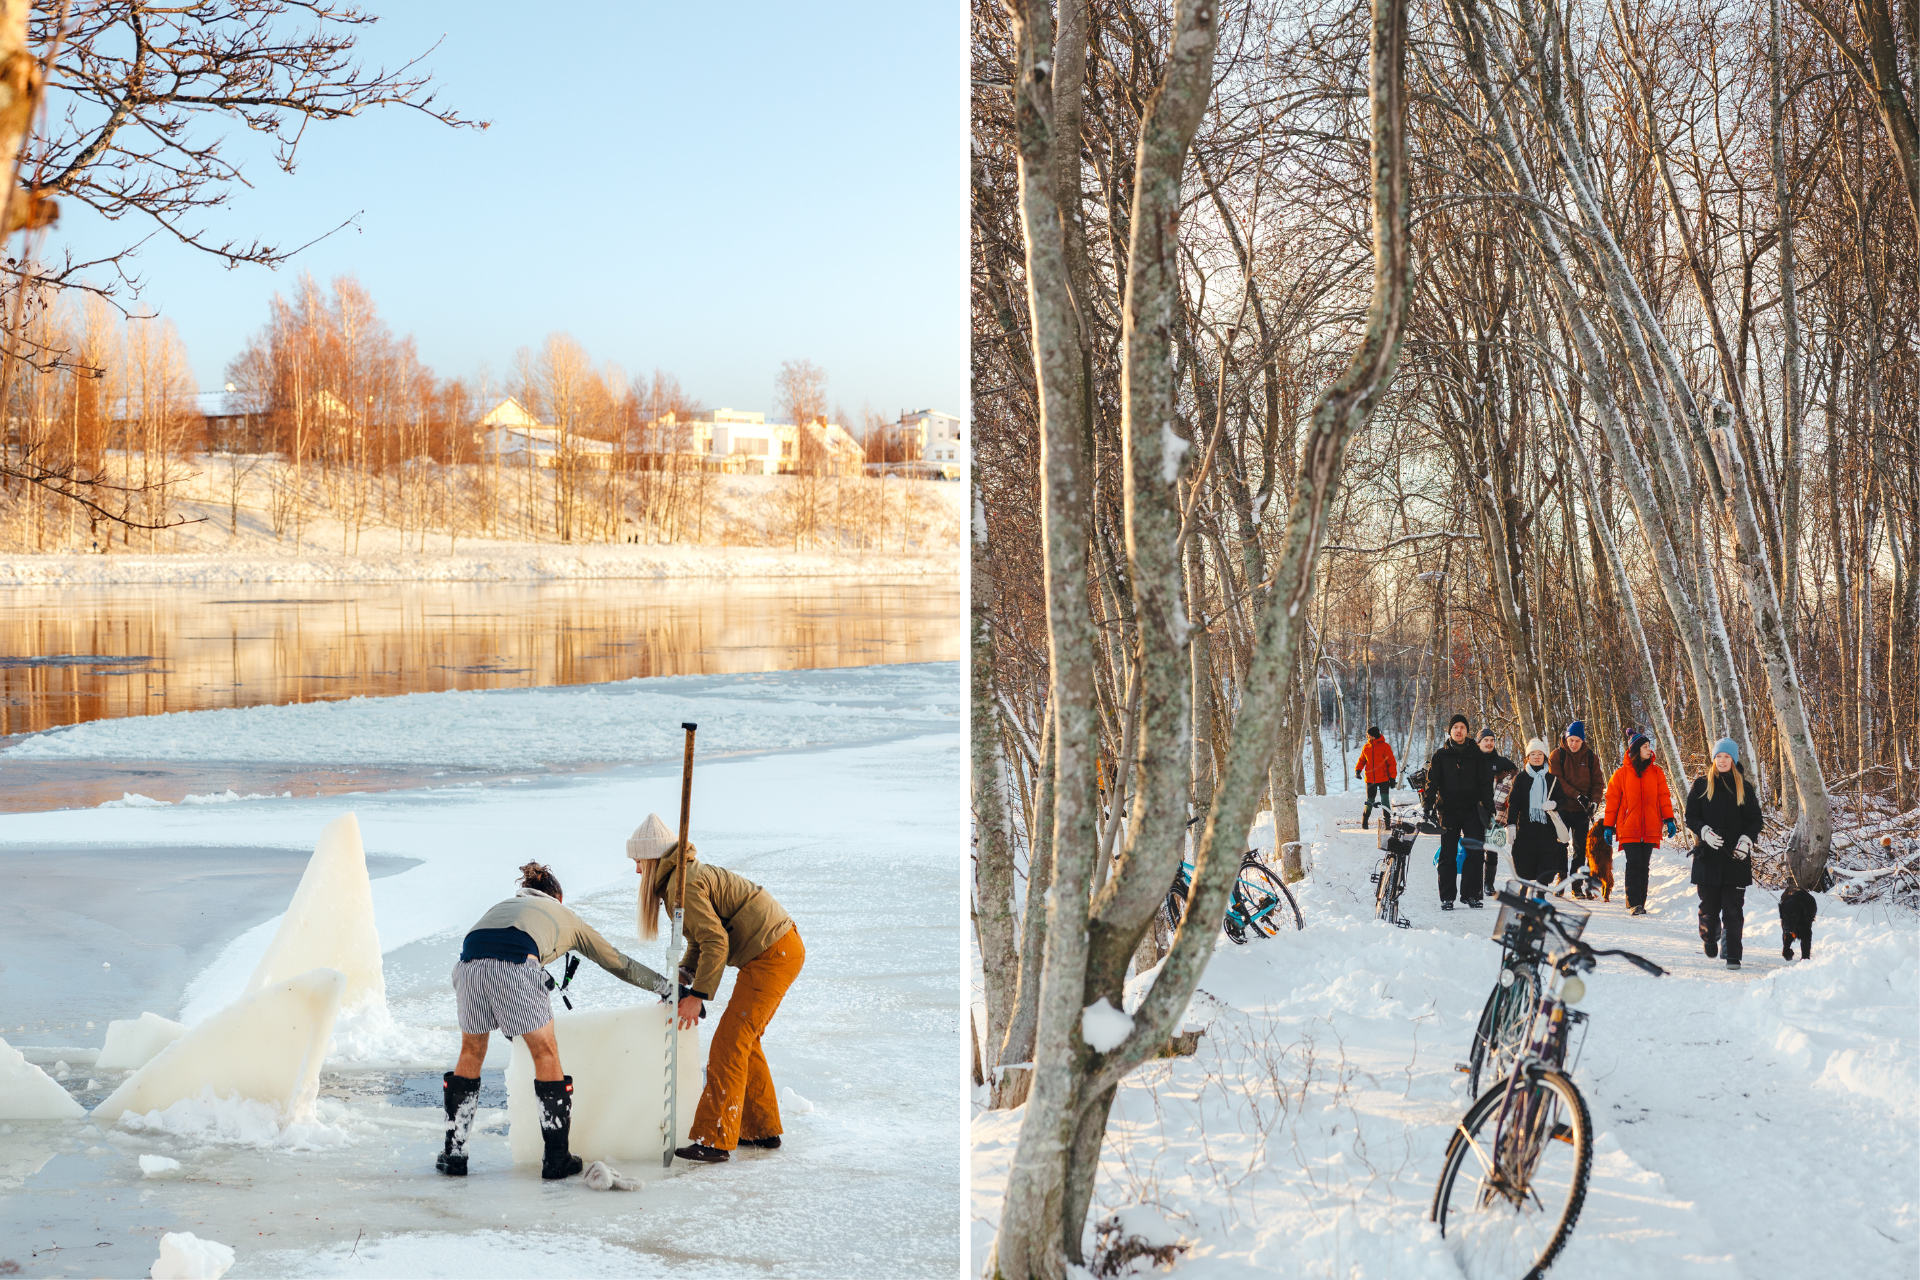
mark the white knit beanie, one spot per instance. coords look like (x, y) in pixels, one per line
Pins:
(651, 840)
(1535, 744)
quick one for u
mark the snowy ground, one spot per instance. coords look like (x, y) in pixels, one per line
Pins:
(855, 834)
(1752, 1124)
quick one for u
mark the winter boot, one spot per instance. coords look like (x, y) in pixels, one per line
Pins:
(1446, 906)
(1732, 963)
(703, 1154)
(462, 1099)
(1713, 946)
(556, 1119)
(767, 1144)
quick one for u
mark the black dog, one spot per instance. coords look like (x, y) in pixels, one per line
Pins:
(1797, 910)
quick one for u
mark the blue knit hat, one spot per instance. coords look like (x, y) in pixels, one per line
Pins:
(1729, 746)
(1578, 729)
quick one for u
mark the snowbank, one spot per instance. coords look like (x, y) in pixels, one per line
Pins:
(480, 563)
(630, 720)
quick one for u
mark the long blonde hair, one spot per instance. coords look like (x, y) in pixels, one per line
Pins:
(652, 895)
(1739, 782)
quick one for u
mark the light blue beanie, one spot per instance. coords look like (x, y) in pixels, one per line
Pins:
(1729, 746)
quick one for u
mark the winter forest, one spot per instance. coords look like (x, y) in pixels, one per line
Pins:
(1649, 456)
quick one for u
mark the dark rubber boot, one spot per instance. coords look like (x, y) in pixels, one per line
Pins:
(703, 1154)
(766, 1144)
(463, 1099)
(556, 1119)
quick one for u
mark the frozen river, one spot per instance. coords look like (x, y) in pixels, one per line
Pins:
(839, 790)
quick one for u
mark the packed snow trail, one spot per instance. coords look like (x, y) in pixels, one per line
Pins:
(1754, 1123)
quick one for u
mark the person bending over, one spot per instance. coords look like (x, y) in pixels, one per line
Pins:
(501, 982)
(1379, 770)
(729, 921)
(1460, 787)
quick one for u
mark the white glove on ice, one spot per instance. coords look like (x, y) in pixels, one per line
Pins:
(1744, 849)
(1713, 838)
(1549, 805)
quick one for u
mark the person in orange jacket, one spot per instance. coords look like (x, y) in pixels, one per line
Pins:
(1639, 809)
(1379, 770)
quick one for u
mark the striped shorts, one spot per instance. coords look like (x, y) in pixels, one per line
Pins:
(499, 993)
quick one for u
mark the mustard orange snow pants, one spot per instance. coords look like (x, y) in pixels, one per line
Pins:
(739, 1097)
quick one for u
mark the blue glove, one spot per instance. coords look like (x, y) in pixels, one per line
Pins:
(1606, 836)
(1672, 830)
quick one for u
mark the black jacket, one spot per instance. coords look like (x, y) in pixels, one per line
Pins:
(1531, 837)
(1729, 821)
(1460, 777)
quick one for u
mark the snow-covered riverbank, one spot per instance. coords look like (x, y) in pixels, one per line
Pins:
(474, 562)
(1749, 1124)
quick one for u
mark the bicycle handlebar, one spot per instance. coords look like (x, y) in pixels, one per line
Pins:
(1550, 918)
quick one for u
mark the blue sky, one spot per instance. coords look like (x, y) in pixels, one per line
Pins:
(705, 189)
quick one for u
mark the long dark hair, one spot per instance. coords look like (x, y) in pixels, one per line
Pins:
(535, 876)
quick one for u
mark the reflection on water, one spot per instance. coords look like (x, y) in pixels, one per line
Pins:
(76, 654)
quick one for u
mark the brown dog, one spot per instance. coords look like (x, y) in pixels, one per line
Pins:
(1600, 862)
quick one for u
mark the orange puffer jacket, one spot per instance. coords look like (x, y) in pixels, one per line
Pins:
(1638, 805)
(1377, 762)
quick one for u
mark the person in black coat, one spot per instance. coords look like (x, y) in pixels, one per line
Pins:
(1460, 788)
(1724, 813)
(1539, 845)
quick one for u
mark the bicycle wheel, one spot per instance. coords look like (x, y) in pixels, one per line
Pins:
(1167, 919)
(1502, 1030)
(1510, 1192)
(1385, 898)
(1264, 901)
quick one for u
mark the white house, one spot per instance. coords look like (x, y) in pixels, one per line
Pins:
(938, 438)
(515, 437)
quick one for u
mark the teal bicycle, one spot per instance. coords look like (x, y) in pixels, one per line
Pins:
(1261, 904)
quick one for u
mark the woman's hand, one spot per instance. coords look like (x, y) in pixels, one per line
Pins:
(1673, 829)
(1744, 849)
(1713, 838)
(689, 1012)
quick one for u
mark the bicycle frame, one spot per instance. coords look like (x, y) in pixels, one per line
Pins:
(1183, 884)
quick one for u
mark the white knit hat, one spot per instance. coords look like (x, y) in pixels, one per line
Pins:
(1535, 744)
(652, 839)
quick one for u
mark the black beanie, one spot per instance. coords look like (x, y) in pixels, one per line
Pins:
(1458, 719)
(1373, 731)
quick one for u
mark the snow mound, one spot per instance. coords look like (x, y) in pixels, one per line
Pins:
(134, 800)
(207, 1119)
(1103, 1027)
(28, 1093)
(794, 1103)
(152, 1166)
(229, 796)
(185, 1256)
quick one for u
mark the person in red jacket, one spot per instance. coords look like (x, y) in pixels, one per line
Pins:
(1379, 770)
(1639, 808)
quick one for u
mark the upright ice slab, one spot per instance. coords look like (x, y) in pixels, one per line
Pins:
(133, 1043)
(28, 1093)
(266, 1046)
(618, 1061)
(329, 923)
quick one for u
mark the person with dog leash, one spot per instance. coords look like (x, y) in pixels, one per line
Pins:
(1639, 809)
(501, 982)
(730, 921)
(1583, 788)
(1724, 812)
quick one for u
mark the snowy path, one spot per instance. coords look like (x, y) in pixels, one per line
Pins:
(1754, 1124)
(859, 842)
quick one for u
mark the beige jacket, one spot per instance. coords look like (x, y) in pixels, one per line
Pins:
(730, 920)
(556, 931)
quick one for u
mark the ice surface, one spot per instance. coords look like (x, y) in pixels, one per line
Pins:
(329, 924)
(28, 1093)
(265, 1047)
(618, 1061)
(1103, 1027)
(153, 1166)
(132, 1043)
(626, 720)
(184, 1256)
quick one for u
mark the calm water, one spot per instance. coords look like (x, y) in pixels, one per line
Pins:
(72, 655)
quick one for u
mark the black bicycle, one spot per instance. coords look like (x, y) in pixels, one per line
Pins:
(1261, 904)
(1501, 1032)
(1517, 1165)
(1395, 836)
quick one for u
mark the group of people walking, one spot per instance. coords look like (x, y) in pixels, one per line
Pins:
(1566, 815)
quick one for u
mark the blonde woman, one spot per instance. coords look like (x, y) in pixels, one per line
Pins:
(1724, 813)
(730, 921)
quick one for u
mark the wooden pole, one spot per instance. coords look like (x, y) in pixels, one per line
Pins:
(672, 1127)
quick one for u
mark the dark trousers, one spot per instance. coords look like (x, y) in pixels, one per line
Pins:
(1384, 789)
(1577, 820)
(1453, 828)
(1723, 910)
(1639, 858)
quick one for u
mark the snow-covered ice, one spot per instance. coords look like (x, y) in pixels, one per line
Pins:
(29, 1093)
(132, 1042)
(153, 1166)
(856, 834)
(184, 1256)
(1764, 1122)
(329, 924)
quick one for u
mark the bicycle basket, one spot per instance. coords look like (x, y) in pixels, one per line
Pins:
(1574, 922)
